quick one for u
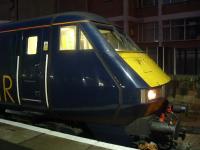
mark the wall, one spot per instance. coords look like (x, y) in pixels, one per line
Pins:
(106, 8)
(35, 8)
(6, 9)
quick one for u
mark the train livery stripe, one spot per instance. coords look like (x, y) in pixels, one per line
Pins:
(17, 79)
(71, 22)
(66, 136)
(46, 86)
(26, 28)
(43, 26)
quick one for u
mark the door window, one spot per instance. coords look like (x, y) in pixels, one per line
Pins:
(32, 45)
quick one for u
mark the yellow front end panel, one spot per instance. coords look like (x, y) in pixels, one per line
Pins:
(145, 67)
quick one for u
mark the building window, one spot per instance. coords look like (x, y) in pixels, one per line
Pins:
(174, 30)
(177, 29)
(166, 1)
(193, 28)
(169, 60)
(147, 3)
(107, 1)
(148, 32)
(68, 38)
(181, 29)
(139, 34)
(152, 52)
(32, 45)
(166, 30)
(173, 1)
(187, 61)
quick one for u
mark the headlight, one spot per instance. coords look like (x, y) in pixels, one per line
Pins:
(150, 94)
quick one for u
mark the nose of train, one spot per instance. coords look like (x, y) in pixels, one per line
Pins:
(145, 67)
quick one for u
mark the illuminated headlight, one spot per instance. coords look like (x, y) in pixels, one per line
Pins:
(148, 95)
(151, 94)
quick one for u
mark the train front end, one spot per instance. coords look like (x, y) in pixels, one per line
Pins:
(142, 103)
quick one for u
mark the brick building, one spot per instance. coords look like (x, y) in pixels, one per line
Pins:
(168, 30)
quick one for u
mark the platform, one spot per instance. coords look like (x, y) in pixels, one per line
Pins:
(19, 136)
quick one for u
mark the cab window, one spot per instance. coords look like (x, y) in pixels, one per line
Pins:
(68, 38)
(84, 42)
(119, 41)
(32, 45)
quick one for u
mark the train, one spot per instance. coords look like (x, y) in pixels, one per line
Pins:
(79, 66)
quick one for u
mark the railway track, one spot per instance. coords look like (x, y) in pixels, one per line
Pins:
(43, 121)
(73, 128)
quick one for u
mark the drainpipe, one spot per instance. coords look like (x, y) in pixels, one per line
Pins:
(160, 32)
(163, 62)
(160, 25)
(174, 61)
(125, 16)
(17, 9)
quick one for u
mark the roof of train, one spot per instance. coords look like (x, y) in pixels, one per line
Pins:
(53, 19)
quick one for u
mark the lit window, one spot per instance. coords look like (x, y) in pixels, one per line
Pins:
(32, 45)
(84, 43)
(68, 38)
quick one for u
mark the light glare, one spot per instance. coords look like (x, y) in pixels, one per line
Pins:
(151, 94)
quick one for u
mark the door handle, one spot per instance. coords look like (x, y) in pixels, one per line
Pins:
(51, 77)
(23, 75)
(36, 65)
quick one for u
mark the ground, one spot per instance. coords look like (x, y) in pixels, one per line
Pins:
(191, 122)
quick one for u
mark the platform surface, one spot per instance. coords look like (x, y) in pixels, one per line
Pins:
(18, 136)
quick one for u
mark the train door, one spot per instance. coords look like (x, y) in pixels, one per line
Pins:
(31, 70)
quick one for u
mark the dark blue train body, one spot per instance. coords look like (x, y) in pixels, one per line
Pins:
(77, 66)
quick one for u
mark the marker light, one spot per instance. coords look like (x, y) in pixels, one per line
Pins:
(151, 94)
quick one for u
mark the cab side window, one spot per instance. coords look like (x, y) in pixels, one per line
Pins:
(68, 38)
(84, 42)
(32, 44)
